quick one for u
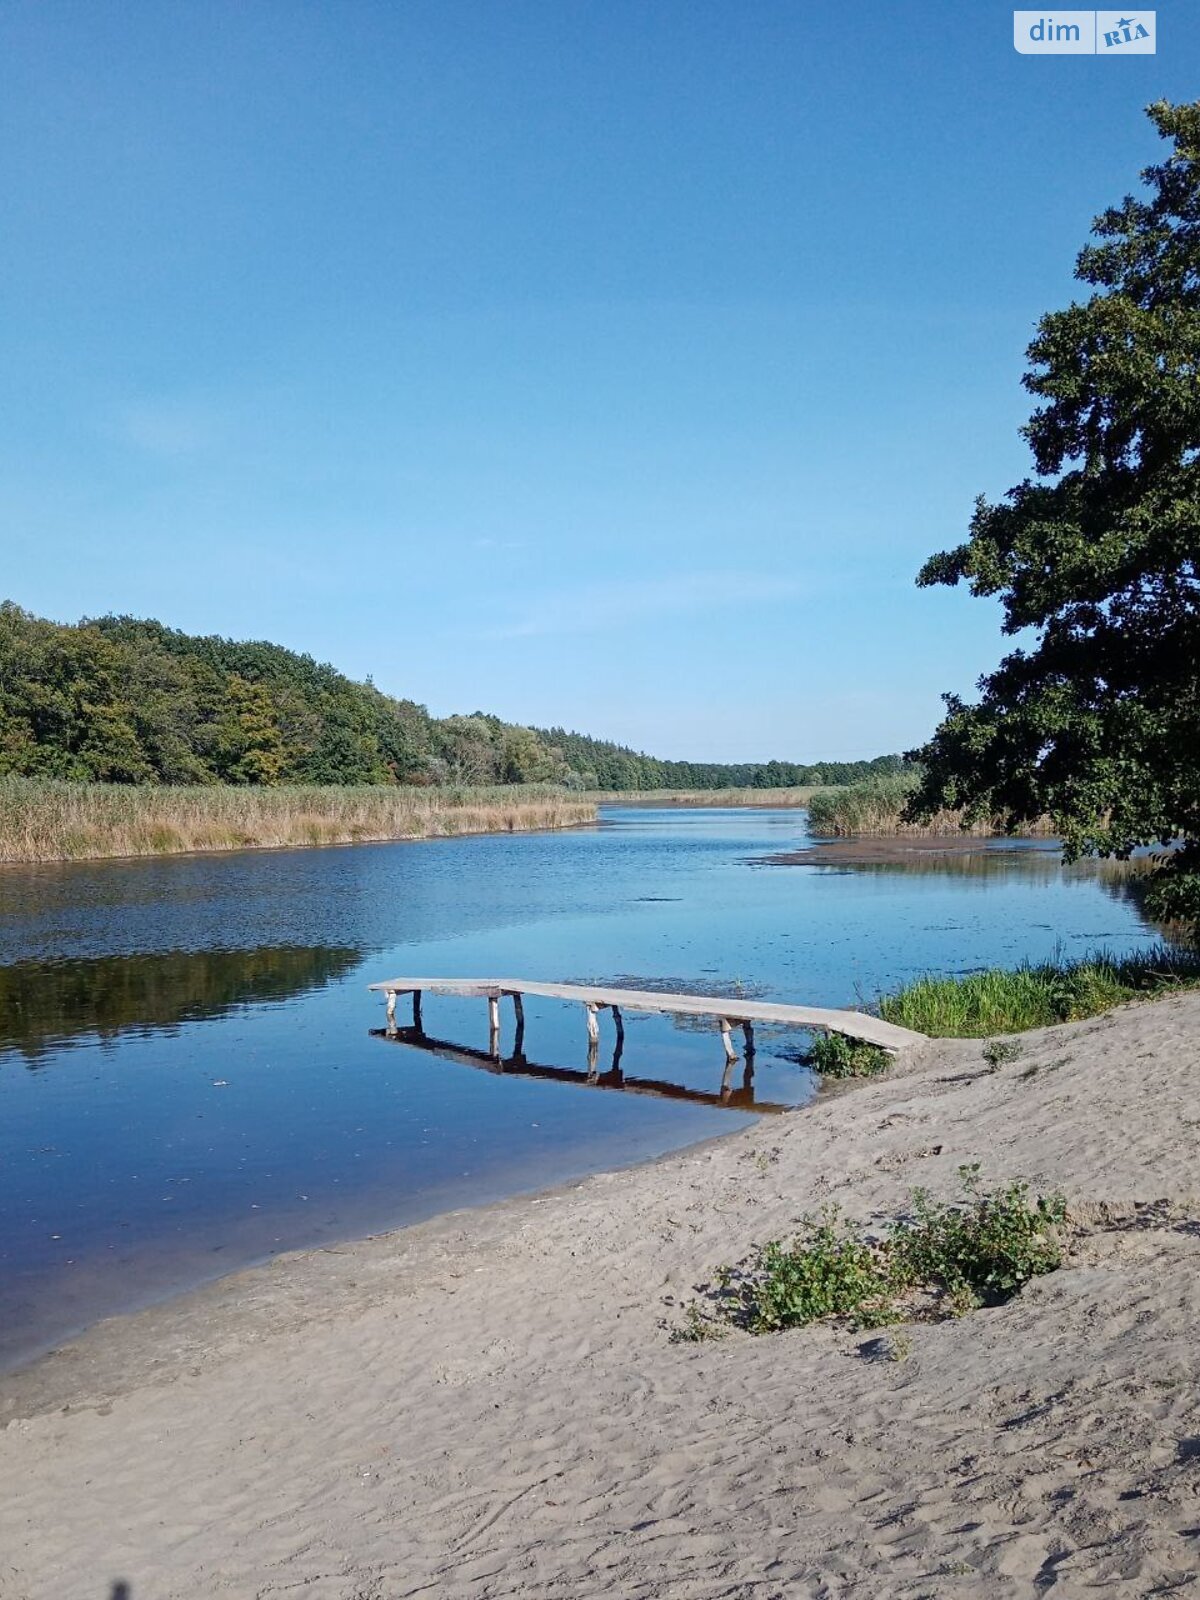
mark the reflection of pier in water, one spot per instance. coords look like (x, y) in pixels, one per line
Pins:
(739, 1097)
(726, 1012)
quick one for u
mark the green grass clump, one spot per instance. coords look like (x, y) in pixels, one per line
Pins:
(833, 1055)
(980, 1004)
(942, 1261)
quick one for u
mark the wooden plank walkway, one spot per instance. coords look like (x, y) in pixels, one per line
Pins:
(725, 1010)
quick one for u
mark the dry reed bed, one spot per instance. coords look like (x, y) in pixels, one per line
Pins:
(52, 821)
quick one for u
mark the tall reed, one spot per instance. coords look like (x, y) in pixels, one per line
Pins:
(42, 820)
(877, 808)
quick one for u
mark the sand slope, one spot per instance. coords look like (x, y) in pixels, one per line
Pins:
(488, 1406)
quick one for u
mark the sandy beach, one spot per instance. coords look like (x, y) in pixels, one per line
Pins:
(488, 1405)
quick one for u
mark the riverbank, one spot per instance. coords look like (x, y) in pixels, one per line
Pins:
(758, 799)
(51, 821)
(45, 820)
(490, 1403)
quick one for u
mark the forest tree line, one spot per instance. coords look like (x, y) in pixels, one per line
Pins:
(121, 700)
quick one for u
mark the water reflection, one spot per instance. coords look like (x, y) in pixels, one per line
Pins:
(737, 1097)
(1031, 862)
(47, 1004)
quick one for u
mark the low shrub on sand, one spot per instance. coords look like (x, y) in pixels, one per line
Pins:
(943, 1260)
(834, 1055)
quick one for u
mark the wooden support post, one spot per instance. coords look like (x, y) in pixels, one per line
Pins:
(391, 1011)
(493, 1025)
(418, 1025)
(519, 1014)
(593, 1026)
(619, 1025)
(727, 1080)
(748, 1035)
(726, 1040)
(615, 1075)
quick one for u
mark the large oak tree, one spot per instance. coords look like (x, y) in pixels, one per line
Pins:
(1096, 723)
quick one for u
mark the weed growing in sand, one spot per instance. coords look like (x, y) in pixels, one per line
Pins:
(829, 1271)
(833, 1055)
(983, 1252)
(943, 1260)
(997, 1051)
(698, 1328)
(899, 1347)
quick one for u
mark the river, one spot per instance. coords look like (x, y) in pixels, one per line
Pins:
(192, 1076)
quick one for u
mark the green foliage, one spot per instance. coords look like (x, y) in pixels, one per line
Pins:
(941, 1261)
(827, 1271)
(981, 1253)
(979, 1004)
(1173, 891)
(119, 700)
(833, 1055)
(1094, 724)
(600, 765)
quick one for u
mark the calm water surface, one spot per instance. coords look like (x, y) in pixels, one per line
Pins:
(189, 1080)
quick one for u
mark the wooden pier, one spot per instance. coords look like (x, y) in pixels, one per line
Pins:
(727, 1012)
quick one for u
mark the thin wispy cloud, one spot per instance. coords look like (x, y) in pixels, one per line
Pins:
(484, 542)
(169, 428)
(608, 604)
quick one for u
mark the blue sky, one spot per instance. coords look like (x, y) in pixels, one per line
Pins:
(612, 363)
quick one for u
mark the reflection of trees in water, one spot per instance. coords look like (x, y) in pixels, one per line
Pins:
(49, 1003)
(1036, 866)
(1125, 881)
(1131, 885)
